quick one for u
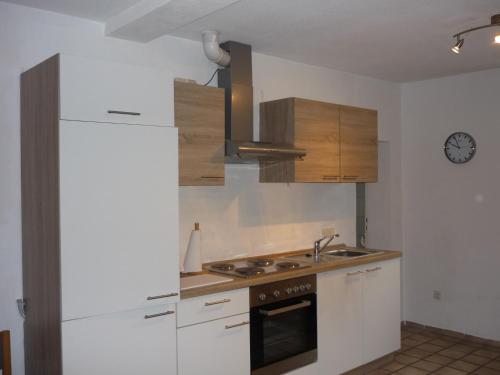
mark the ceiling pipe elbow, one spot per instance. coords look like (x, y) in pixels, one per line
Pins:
(212, 49)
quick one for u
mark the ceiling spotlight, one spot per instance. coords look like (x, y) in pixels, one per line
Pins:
(458, 45)
(495, 21)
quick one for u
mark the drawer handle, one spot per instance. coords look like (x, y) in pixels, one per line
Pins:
(159, 314)
(373, 269)
(237, 325)
(162, 296)
(124, 113)
(285, 309)
(225, 300)
(330, 177)
(354, 273)
(207, 177)
(350, 177)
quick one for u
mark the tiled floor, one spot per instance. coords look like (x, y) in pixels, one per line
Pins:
(425, 351)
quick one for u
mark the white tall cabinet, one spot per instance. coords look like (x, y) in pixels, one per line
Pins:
(100, 218)
(358, 315)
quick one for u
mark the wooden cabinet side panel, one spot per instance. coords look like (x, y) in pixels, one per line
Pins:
(276, 126)
(199, 115)
(358, 144)
(317, 131)
(40, 217)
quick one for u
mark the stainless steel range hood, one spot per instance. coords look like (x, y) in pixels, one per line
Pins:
(236, 79)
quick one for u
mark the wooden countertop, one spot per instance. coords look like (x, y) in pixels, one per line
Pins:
(238, 282)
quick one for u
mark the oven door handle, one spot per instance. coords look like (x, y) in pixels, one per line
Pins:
(285, 309)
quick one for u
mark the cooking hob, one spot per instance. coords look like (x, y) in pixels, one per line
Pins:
(255, 267)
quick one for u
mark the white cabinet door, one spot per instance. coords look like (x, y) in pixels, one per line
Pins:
(119, 217)
(123, 343)
(340, 320)
(219, 347)
(381, 309)
(90, 89)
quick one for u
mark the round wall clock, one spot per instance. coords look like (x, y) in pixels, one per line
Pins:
(460, 147)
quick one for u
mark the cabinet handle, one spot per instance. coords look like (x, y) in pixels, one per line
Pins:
(373, 269)
(111, 112)
(330, 177)
(354, 273)
(158, 315)
(207, 177)
(225, 300)
(162, 296)
(350, 178)
(237, 325)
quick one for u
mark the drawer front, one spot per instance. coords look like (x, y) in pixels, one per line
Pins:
(99, 91)
(212, 306)
(219, 347)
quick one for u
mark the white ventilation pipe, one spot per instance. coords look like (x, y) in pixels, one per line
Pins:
(213, 50)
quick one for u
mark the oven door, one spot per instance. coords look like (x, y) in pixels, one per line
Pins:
(283, 335)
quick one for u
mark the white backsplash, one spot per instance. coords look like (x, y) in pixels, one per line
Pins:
(246, 218)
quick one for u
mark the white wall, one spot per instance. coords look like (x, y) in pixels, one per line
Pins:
(450, 211)
(242, 218)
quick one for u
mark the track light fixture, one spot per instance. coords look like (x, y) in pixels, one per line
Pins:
(495, 21)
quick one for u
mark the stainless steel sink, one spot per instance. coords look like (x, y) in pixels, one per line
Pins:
(331, 256)
(345, 253)
(309, 258)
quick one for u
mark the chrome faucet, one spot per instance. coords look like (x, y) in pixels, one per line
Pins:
(318, 248)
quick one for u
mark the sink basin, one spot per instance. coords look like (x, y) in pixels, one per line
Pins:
(309, 258)
(344, 253)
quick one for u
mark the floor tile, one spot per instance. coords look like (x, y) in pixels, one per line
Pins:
(421, 338)
(430, 348)
(440, 359)
(449, 371)
(410, 342)
(485, 371)
(418, 353)
(379, 372)
(442, 342)
(426, 365)
(394, 366)
(463, 348)
(452, 353)
(463, 366)
(405, 359)
(412, 371)
(486, 353)
(476, 359)
(494, 365)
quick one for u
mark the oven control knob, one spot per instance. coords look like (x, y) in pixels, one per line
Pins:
(296, 289)
(276, 293)
(308, 286)
(262, 297)
(289, 290)
(302, 288)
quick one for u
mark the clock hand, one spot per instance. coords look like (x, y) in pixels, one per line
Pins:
(451, 144)
(456, 141)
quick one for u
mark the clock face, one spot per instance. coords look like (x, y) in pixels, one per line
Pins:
(460, 147)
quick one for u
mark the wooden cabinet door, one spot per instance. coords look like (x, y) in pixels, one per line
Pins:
(100, 91)
(317, 131)
(122, 343)
(199, 115)
(381, 309)
(119, 217)
(358, 144)
(340, 320)
(218, 347)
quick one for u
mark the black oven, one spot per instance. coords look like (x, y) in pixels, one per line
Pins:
(283, 325)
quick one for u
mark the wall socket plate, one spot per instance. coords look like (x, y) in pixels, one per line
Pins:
(328, 231)
(436, 295)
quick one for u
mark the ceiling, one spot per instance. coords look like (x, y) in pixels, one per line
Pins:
(395, 40)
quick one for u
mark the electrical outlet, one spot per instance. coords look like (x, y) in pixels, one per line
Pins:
(436, 295)
(328, 231)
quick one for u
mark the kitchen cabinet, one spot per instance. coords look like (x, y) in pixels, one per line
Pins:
(100, 91)
(358, 144)
(213, 335)
(341, 141)
(199, 116)
(122, 343)
(100, 229)
(218, 347)
(358, 315)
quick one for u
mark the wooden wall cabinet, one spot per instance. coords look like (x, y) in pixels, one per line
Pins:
(199, 115)
(341, 141)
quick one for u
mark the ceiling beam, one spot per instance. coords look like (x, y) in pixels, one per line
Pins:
(150, 19)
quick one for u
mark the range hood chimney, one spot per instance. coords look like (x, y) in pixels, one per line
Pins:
(236, 79)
